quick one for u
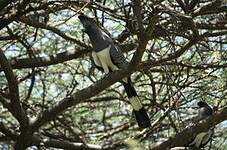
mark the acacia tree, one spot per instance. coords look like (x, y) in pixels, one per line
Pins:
(51, 92)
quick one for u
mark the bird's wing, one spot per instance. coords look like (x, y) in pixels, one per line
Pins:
(116, 54)
(117, 57)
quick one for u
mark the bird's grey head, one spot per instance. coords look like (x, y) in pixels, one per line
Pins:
(202, 103)
(88, 24)
(98, 39)
(204, 109)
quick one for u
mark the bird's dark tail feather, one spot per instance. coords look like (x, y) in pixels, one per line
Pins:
(138, 109)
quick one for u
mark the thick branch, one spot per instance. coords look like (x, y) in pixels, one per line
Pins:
(47, 60)
(70, 145)
(137, 10)
(57, 58)
(15, 105)
(143, 43)
(79, 96)
(64, 144)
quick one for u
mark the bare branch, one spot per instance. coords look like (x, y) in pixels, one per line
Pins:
(78, 97)
(15, 105)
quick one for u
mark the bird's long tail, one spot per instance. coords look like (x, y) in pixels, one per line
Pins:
(138, 109)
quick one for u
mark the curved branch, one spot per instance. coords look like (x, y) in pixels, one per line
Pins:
(78, 97)
(187, 134)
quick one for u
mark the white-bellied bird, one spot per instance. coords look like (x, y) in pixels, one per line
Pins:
(202, 138)
(108, 57)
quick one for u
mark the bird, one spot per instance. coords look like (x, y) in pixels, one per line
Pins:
(205, 110)
(108, 57)
(201, 139)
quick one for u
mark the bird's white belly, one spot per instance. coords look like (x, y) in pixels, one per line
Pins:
(201, 138)
(103, 59)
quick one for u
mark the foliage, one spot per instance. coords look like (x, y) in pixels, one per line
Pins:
(64, 102)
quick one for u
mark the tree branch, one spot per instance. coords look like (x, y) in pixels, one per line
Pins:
(79, 96)
(70, 145)
(65, 144)
(137, 10)
(172, 56)
(137, 56)
(53, 29)
(4, 3)
(187, 134)
(98, 87)
(47, 60)
(56, 58)
(16, 109)
(8, 18)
